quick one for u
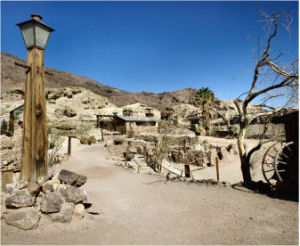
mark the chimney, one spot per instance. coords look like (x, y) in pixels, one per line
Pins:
(36, 17)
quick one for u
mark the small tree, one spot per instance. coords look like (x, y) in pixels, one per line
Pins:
(272, 79)
(163, 145)
(203, 99)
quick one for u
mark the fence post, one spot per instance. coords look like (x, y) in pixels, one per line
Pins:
(217, 167)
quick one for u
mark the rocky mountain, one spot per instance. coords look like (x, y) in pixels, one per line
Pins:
(13, 77)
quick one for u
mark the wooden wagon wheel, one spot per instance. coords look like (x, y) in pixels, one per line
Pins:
(285, 159)
(268, 164)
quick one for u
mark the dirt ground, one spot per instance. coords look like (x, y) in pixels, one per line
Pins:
(147, 209)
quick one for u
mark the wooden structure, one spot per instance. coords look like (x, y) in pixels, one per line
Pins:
(280, 164)
(124, 124)
(167, 113)
(35, 132)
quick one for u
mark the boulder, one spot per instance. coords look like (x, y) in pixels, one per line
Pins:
(23, 185)
(34, 188)
(55, 94)
(59, 113)
(39, 199)
(69, 112)
(76, 91)
(10, 188)
(19, 199)
(52, 101)
(71, 178)
(72, 194)
(79, 211)
(69, 94)
(50, 185)
(65, 214)
(25, 220)
(51, 203)
(47, 187)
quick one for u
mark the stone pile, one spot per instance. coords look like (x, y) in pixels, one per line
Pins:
(59, 199)
(11, 149)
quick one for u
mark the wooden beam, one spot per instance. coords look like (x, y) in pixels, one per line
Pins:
(35, 133)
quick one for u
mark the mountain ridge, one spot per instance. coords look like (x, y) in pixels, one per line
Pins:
(13, 77)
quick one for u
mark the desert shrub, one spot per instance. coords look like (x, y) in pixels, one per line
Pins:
(118, 141)
(55, 141)
(83, 140)
(64, 127)
(82, 131)
(163, 145)
(92, 140)
(4, 127)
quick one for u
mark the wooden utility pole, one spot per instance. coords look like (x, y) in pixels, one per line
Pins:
(35, 145)
(35, 132)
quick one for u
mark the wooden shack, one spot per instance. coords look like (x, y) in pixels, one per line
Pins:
(124, 124)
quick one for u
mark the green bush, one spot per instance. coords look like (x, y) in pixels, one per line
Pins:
(92, 140)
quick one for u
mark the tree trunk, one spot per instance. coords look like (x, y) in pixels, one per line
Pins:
(245, 165)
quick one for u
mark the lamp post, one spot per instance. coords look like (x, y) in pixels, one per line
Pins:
(35, 145)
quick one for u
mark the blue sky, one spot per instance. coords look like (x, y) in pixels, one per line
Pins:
(152, 46)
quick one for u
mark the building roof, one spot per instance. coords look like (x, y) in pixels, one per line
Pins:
(138, 119)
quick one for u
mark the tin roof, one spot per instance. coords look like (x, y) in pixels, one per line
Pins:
(138, 119)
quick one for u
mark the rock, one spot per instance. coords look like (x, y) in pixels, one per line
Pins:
(72, 194)
(39, 199)
(51, 203)
(55, 94)
(50, 185)
(18, 200)
(10, 188)
(79, 210)
(23, 185)
(52, 101)
(69, 94)
(65, 214)
(34, 188)
(93, 209)
(59, 113)
(47, 187)
(76, 91)
(71, 178)
(69, 112)
(25, 220)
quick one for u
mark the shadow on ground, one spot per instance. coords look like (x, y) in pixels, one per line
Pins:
(266, 189)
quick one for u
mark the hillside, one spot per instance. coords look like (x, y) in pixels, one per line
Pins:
(13, 77)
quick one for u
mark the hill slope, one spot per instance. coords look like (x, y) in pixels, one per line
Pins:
(13, 77)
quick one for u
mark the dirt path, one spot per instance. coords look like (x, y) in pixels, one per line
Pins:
(145, 209)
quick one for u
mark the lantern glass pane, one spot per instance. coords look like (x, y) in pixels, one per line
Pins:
(27, 32)
(42, 35)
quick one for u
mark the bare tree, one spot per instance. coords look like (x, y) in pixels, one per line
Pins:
(271, 80)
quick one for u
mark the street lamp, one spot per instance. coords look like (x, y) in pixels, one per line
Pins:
(35, 146)
(35, 33)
